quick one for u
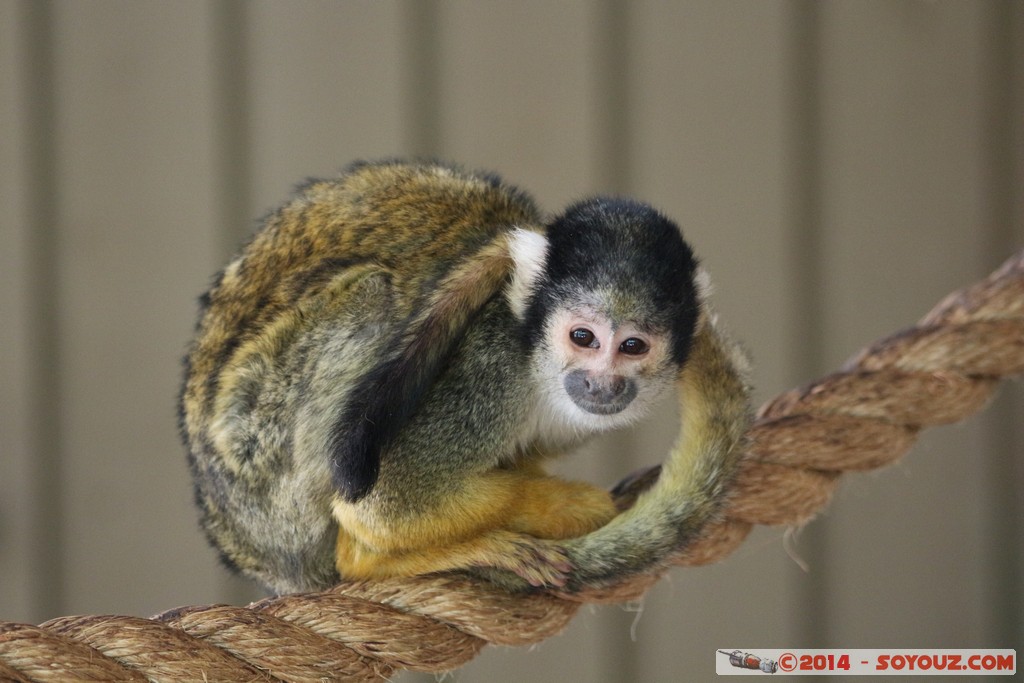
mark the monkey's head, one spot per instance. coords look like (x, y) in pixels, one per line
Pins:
(609, 306)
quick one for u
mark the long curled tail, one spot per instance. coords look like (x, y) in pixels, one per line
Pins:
(715, 408)
(388, 396)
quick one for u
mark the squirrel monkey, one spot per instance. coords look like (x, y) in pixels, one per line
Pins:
(379, 376)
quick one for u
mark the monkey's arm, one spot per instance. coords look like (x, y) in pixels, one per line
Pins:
(501, 518)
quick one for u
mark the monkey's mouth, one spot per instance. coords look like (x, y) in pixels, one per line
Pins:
(600, 408)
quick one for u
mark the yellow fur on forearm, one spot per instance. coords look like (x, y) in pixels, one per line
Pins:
(503, 502)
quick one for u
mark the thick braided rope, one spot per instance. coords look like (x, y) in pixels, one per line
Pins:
(864, 416)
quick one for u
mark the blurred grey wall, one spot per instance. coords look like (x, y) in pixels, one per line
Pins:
(840, 166)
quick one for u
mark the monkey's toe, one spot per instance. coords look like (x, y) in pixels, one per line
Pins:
(541, 564)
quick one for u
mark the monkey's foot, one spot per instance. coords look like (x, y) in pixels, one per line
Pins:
(539, 563)
(632, 485)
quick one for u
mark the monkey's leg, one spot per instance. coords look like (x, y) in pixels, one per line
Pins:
(556, 509)
(536, 561)
(501, 518)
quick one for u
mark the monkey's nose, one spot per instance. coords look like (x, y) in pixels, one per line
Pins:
(604, 388)
(599, 394)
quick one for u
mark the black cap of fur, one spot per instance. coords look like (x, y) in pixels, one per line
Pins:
(627, 248)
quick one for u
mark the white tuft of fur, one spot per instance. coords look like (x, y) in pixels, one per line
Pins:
(529, 252)
(703, 281)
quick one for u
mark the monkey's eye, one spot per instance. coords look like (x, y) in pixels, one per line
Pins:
(581, 336)
(634, 347)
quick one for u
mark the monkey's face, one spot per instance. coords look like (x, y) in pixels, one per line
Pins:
(601, 374)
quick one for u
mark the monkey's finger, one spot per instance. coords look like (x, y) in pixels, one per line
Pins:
(625, 493)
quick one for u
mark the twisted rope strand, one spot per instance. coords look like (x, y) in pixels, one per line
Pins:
(864, 416)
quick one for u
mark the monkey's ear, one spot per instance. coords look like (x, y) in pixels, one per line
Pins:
(703, 282)
(529, 252)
